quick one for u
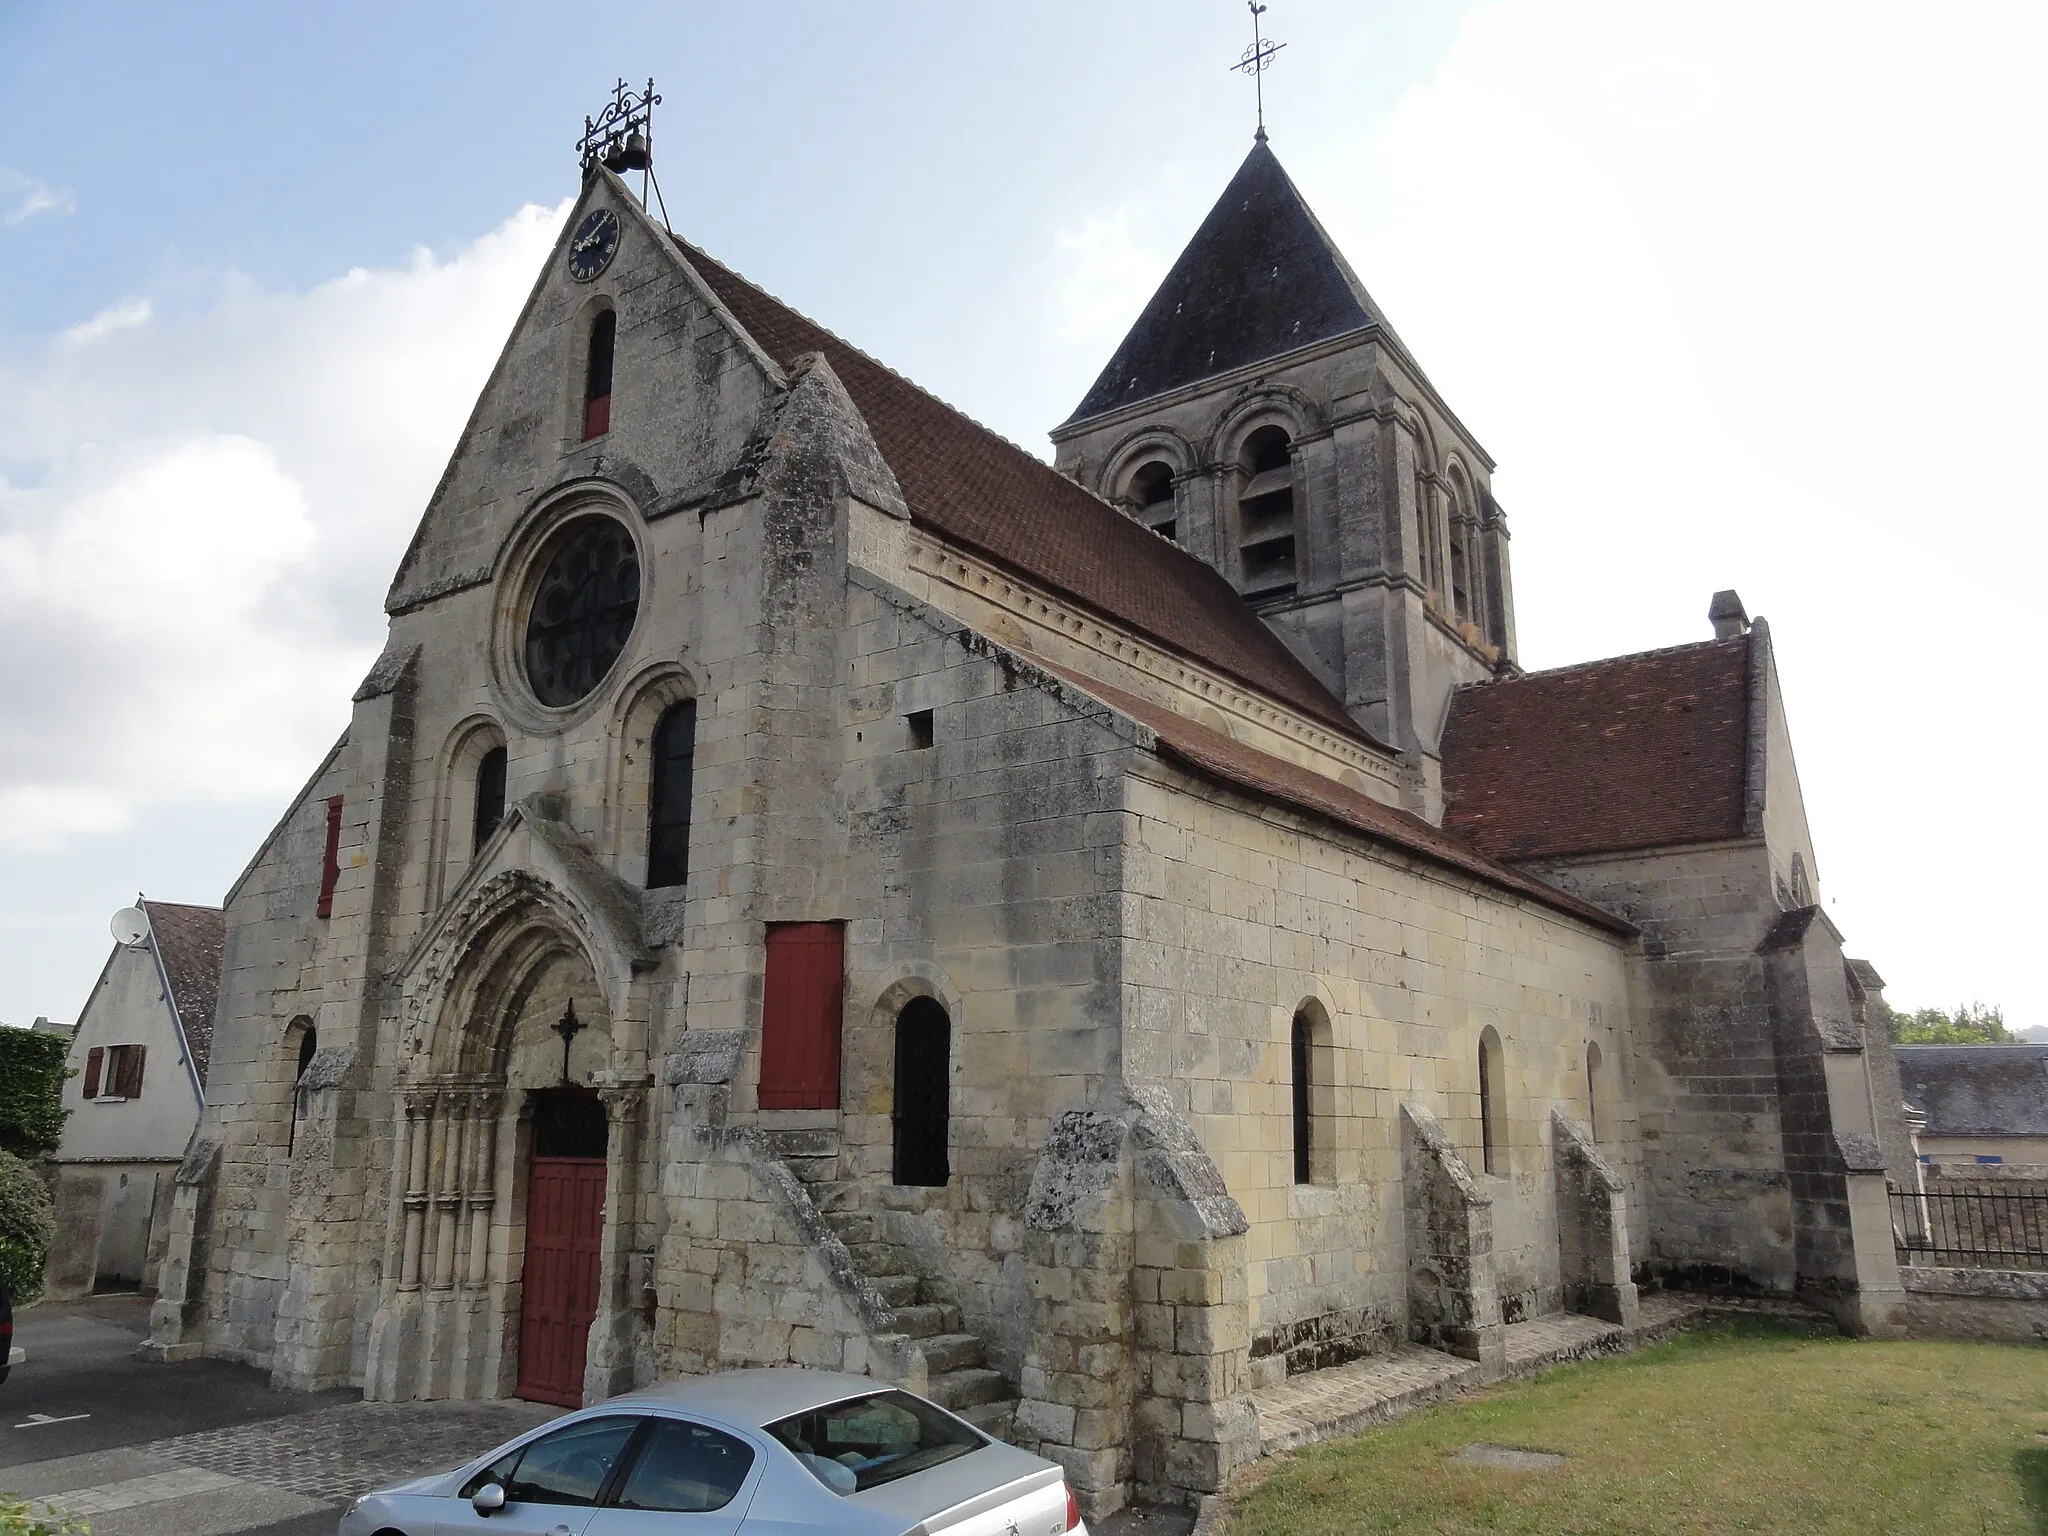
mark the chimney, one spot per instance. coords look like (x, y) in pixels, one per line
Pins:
(1728, 616)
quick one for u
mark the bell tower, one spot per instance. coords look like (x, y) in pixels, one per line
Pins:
(1263, 415)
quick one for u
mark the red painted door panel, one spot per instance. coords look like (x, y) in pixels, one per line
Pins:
(801, 1001)
(564, 1230)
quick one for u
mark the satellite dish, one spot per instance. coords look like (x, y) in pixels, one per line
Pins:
(130, 927)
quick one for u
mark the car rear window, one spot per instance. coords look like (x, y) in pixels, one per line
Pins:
(874, 1439)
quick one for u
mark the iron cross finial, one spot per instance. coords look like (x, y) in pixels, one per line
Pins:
(1255, 62)
(568, 1026)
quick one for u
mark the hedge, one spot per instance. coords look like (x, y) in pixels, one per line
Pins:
(28, 1223)
(31, 1091)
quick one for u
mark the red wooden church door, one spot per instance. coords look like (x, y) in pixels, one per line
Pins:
(564, 1235)
(802, 997)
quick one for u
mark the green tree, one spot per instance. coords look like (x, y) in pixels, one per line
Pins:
(1970, 1024)
(32, 1074)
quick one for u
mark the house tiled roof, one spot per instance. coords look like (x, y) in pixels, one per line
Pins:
(978, 490)
(1644, 751)
(189, 941)
(1215, 755)
(1259, 279)
(1977, 1090)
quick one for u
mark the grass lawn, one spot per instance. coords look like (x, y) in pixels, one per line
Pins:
(1750, 1427)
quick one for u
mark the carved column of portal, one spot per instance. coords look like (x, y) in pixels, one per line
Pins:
(483, 1181)
(454, 1139)
(419, 1114)
(610, 1368)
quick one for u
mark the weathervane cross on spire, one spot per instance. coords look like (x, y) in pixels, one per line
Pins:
(1255, 62)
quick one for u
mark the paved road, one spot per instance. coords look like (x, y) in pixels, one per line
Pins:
(205, 1448)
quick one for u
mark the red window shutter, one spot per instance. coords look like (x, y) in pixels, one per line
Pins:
(131, 1072)
(93, 1058)
(597, 417)
(801, 1003)
(330, 865)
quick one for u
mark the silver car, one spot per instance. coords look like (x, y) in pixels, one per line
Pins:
(777, 1451)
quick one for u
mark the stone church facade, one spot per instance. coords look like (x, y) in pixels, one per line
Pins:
(806, 882)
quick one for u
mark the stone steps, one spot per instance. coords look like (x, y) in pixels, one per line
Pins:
(956, 1361)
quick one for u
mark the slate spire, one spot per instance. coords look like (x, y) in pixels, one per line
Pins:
(1260, 279)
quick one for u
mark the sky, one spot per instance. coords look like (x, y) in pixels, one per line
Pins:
(1737, 296)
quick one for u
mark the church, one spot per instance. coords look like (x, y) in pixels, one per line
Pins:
(806, 881)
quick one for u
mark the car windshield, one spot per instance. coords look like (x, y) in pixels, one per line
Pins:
(874, 1439)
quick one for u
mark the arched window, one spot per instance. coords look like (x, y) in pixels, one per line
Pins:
(597, 375)
(1303, 1051)
(307, 1043)
(1493, 1124)
(923, 1052)
(1265, 514)
(668, 798)
(490, 798)
(1593, 1089)
(1152, 494)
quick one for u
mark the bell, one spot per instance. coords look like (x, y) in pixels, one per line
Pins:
(615, 159)
(635, 153)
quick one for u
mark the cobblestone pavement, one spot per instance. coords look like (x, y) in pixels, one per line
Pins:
(337, 1453)
(206, 1448)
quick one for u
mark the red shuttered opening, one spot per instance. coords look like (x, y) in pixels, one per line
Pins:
(801, 1003)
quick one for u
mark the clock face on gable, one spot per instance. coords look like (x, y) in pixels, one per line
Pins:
(594, 243)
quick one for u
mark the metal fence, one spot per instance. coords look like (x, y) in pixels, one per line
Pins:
(1976, 1228)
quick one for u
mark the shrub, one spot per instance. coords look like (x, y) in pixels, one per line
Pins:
(28, 1223)
(18, 1517)
(32, 1074)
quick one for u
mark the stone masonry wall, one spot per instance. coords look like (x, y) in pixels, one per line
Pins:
(1236, 917)
(1717, 1208)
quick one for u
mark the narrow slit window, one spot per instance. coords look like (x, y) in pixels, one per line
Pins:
(490, 797)
(597, 376)
(1492, 1122)
(330, 861)
(1304, 1118)
(920, 1113)
(668, 802)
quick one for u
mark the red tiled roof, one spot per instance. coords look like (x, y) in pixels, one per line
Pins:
(990, 495)
(189, 940)
(1218, 756)
(1646, 751)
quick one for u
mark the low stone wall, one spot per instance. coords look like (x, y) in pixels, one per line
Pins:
(2006, 1305)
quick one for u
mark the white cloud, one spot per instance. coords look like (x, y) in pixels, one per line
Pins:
(1101, 275)
(123, 316)
(22, 197)
(191, 571)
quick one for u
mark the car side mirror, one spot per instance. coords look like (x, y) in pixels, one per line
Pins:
(489, 1499)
